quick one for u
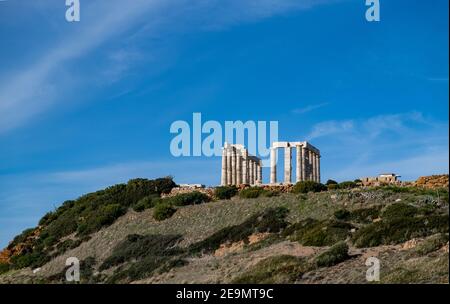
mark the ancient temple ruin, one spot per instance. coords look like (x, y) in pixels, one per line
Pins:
(307, 162)
(238, 167)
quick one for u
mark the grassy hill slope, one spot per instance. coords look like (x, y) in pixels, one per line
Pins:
(322, 237)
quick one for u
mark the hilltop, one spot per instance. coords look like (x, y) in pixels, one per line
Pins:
(310, 233)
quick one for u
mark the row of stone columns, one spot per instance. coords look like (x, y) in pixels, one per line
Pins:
(238, 167)
(307, 163)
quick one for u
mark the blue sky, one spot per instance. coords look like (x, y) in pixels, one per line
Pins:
(89, 104)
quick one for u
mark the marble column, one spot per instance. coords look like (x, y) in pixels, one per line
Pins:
(224, 167)
(304, 154)
(273, 165)
(318, 167)
(228, 165)
(245, 168)
(238, 168)
(313, 165)
(255, 171)
(298, 165)
(251, 166)
(260, 171)
(233, 166)
(288, 165)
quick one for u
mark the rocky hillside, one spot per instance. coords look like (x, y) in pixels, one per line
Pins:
(132, 233)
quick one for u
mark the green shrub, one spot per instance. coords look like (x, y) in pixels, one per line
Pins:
(399, 229)
(103, 216)
(163, 211)
(225, 192)
(185, 199)
(342, 214)
(331, 182)
(363, 215)
(136, 247)
(253, 192)
(147, 202)
(312, 232)
(399, 210)
(149, 253)
(347, 185)
(336, 254)
(32, 259)
(431, 244)
(333, 187)
(271, 220)
(4, 268)
(270, 193)
(308, 186)
(274, 270)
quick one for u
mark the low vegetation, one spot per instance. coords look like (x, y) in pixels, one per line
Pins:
(311, 232)
(275, 270)
(225, 192)
(334, 255)
(308, 186)
(163, 211)
(270, 220)
(270, 226)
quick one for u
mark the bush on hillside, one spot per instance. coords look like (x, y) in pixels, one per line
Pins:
(225, 192)
(399, 210)
(281, 269)
(308, 186)
(363, 215)
(336, 254)
(390, 231)
(103, 216)
(347, 185)
(253, 192)
(147, 202)
(185, 199)
(431, 244)
(331, 182)
(4, 268)
(163, 211)
(311, 232)
(271, 220)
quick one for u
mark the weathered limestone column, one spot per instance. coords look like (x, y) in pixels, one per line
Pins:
(255, 171)
(233, 166)
(239, 168)
(273, 165)
(228, 165)
(304, 154)
(298, 165)
(245, 167)
(223, 181)
(288, 165)
(251, 171)
(313, 165)
(260, 171)
(318, 167)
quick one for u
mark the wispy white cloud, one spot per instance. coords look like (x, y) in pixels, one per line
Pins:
(310, 108)
(406, 143)
(34, 89)
(330, 128)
